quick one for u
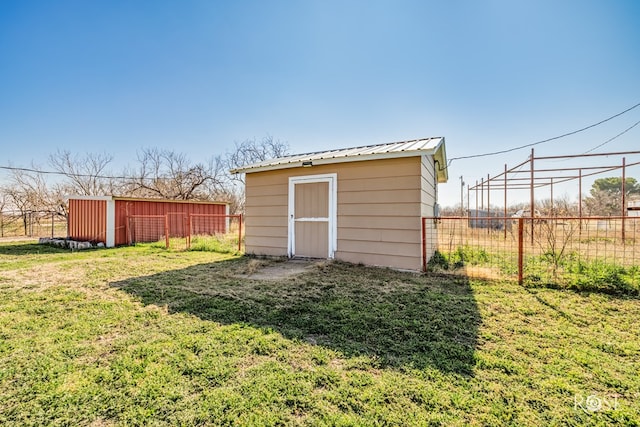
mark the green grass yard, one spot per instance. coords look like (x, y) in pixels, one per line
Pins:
(148, 336)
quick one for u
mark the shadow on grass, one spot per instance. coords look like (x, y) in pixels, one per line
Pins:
(556, 309)
(401, 320)
(28, 248)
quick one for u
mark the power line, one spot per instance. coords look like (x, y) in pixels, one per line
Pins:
(77, 175)
(544, 140)
(81, 175)
(611, 139)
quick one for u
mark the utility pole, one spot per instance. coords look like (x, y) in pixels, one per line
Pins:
(461, 196)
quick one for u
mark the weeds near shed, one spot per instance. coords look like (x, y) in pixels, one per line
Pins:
(553, 240)
(458, 258)
(226, 243)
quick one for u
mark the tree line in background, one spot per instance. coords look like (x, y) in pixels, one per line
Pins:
(604, 199)
(167, 174)
(157, 173)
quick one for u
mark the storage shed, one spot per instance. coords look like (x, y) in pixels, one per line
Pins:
(118, 221)
(361, 205)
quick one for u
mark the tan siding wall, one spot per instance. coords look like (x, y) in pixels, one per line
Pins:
(267, 200)
(266, 213)
(405, 263)
(269, 221)
(377, 235)
(379, 213)
(379, 208)
(428, 186)
(385, 183)
(428, 200)
(367, 222)
(266, 191)
(369, 194)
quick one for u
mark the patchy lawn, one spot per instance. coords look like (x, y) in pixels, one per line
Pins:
(148, 336)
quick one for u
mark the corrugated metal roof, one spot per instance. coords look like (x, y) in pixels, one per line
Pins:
(417, 147)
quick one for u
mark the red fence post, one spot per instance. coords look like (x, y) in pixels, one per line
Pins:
(166, 230)
(128, 230)
(189, 232)
(424, 245)
(185, 230)
(239, 232)
(520, 250)
(624, 210)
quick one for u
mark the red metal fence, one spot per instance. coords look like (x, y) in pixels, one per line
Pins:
(209, 224)
(563, 251)
(154, 228)
(148, 228)
(176, 210)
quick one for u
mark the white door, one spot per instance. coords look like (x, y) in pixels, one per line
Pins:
(312, 216)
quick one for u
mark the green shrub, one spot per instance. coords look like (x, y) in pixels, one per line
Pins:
(463, 255)
(603, 277)
(438, 262)
(547, 270)
(580, 275)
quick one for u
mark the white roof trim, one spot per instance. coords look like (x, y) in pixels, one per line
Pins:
(79, 197)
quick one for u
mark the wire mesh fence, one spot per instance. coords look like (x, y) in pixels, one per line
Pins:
(32, 224)
(600, 253)
(148, 228)
(227, 229)
(194, 231)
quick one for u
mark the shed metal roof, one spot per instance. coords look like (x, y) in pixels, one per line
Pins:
(417, 147)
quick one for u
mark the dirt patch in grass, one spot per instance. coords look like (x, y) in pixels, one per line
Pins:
(271, 270)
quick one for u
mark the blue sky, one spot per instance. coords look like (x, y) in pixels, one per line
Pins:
(197, 76)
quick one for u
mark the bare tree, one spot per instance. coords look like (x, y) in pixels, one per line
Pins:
(245, 153)
(554, 240)
(561, 206)
(252, 151)
(3, 206)
(169, 175)
(85, 174)
(29, 194)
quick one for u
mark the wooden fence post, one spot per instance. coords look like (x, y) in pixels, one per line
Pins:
(166, 229)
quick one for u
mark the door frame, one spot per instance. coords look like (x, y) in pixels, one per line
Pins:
(332, 179)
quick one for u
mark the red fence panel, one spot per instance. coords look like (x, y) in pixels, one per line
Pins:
(153, 228)
(148, 228)
(209, 225)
